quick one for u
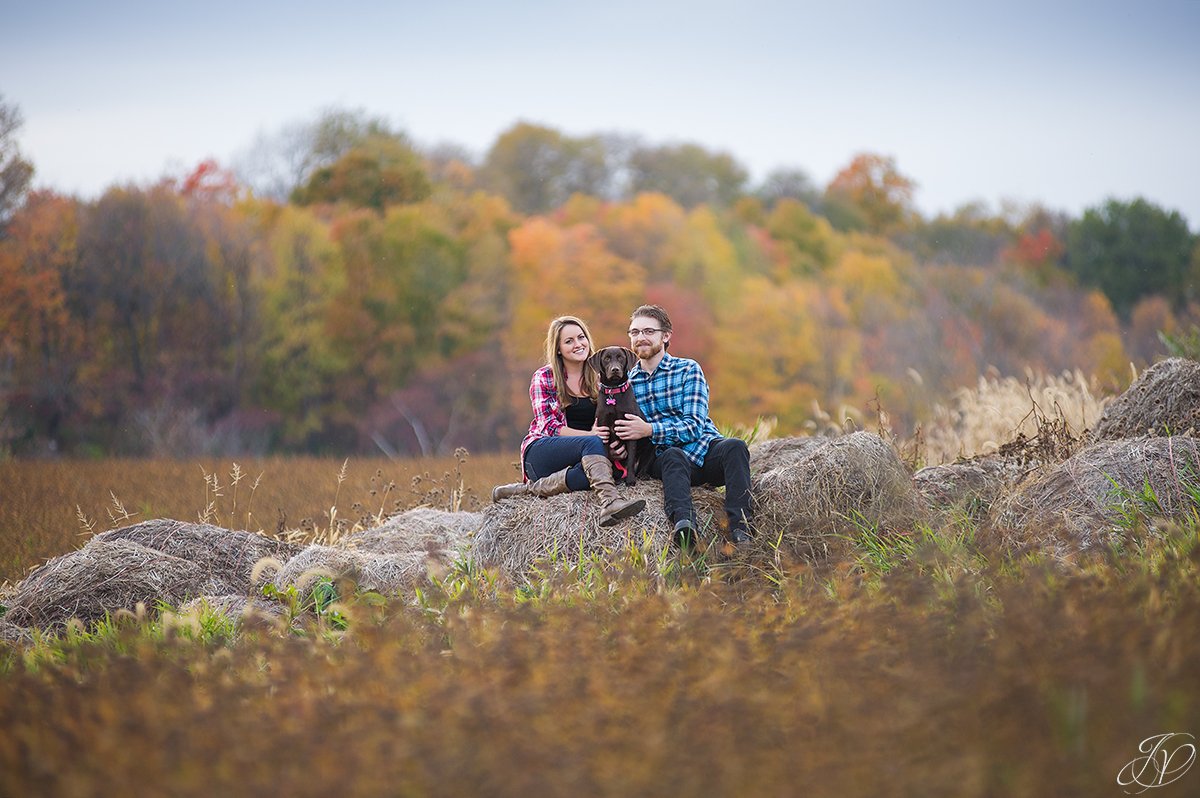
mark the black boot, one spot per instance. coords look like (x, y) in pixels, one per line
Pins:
(685, 533)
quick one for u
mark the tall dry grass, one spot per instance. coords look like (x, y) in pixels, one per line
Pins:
(41, 501)
(979, 420)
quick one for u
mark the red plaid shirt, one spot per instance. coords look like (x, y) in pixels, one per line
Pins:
(548, 416)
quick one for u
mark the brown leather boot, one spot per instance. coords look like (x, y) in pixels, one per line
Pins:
(600, 475)
(546, 486)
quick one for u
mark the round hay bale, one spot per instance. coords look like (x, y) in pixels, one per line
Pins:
(1083, 502)
(779, 452)
(106, 576)
(232, 554)
(837, 487)
(968, 487)
(1164, 400)
(235, 607)
(385, 573)
(520, 533)
(420, 529)
(14, 635)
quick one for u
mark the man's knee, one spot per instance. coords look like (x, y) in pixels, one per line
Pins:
(737, 449)
(674, 458)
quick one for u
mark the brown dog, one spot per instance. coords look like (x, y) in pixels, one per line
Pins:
(613, 363)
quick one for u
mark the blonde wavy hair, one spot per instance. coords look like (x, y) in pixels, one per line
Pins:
(588, 383)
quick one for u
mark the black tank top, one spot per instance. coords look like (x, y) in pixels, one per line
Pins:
(581, 413)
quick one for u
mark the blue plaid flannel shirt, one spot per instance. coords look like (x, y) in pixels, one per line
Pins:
(674, 400)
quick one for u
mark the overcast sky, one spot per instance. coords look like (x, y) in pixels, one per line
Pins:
(1063, 103)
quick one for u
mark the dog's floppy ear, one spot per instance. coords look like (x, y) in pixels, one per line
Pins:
(594, 361)
(631, 358)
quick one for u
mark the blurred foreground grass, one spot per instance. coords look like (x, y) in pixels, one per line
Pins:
(39, 499)
(951, 673)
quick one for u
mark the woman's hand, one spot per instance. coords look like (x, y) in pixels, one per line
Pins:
(605, 434)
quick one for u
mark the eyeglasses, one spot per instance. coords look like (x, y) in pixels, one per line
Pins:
(636, 333)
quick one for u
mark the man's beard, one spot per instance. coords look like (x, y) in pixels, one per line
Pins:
(647, 351)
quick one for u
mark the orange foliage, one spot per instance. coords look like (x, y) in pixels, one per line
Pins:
(558, 271)
(874, 185)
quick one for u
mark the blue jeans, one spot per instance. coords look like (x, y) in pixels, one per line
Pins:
(545, 456)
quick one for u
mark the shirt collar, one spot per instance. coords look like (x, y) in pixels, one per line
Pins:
(666, 364)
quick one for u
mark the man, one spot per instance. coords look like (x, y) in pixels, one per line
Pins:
(688, 450)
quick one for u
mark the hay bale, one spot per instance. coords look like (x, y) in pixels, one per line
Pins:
(1081, 503)
(969, 487)
(1164, 400)
(236, 607)
(519, 533)
(779, 452)
(834, 488)
(385, 573)
(106, 576)
(232, 554)
(14, 635)
(420, 529)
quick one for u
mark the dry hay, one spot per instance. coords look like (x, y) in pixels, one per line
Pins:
(1084, 502)
(969, 487)
(13, 634)
(232, 554)
(525, 532)
(105, 576)
(384, 573)
(846, 482)
(1164, 400)
(420, 529)
(235, 607)
(778, 452)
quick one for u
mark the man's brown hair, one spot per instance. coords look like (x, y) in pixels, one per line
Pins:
(657, 313)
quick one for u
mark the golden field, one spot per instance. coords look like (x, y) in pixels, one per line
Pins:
(40, 501)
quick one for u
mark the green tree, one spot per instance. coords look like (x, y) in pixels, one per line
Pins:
(382, 171)
(1131, 249)
(276, 165)
(688, 173)
(537, 168)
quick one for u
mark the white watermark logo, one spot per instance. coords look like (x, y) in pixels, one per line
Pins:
(1166, 757)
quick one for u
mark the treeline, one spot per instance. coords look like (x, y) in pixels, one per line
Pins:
(346, 291)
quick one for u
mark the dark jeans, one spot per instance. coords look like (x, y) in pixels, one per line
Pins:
(727, 463)
(545, 456)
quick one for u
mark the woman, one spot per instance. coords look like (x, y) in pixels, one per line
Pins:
(564, 449)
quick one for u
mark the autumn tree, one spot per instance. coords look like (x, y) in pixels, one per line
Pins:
(970, 236)
(42, 348)
(298, 364)
(807, 243)
(379, 172)
(688, 173)
(1130, 250)
(538, 168)
(15, 171)
(789, 184)
(277, 164)
(873, 186)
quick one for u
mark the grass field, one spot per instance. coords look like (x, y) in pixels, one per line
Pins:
(927, 666)
(42, 500)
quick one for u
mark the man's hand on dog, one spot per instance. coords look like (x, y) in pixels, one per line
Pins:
(632, 428)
